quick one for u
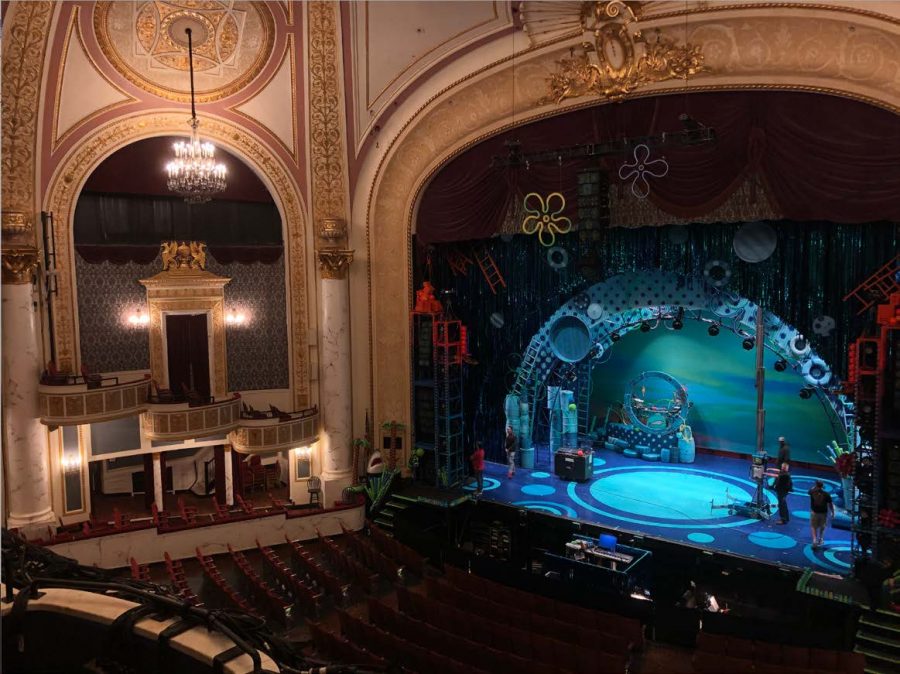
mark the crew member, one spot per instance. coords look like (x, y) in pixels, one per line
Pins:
(512, 446)
(784, 451)
(477, 460)
(783, 487)
(820, 504)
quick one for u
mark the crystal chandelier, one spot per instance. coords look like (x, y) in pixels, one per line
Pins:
(194, 173)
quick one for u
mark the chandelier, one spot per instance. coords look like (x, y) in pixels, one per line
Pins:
(194, 173)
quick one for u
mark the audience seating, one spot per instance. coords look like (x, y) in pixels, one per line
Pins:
(212, 572)
(770, 658)
(222, 511)
(394, 549)
(276, 606)
(407, 650)
(188, 513)
(332, 646)
(160, 517)
(310, 565)
(302, 592)
(179, 580)
(359, 574)
(372, 556)
(139, 571)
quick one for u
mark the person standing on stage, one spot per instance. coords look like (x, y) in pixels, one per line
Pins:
(783, 486)
(784, 451)
(512, 446)
(477, 460)
(820, 504)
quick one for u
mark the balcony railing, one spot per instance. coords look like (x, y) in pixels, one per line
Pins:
(90, 400)
(274, 432)
(182, 421)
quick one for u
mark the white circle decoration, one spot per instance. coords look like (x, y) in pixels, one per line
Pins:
(823, 325)
(497, 319)
(717, 273)
(595, 311)
(558, 257)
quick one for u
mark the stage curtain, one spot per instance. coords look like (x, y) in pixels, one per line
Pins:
(820, 157)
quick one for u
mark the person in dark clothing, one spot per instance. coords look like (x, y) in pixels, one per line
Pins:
(512, 446)
(820, 504)
(784, 451)
(783, 487)
(477, 460)
(873, 575)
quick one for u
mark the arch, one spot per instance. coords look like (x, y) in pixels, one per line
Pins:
(626, 302)
(73, 171)
(744, 50)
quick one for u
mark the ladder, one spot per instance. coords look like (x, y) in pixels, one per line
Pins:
(583, 397)
(878, 287)
(526, 368)
(459, 262)
(489, 268)
(448, 341)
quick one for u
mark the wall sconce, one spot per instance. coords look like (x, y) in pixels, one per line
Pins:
(233, 317)
(71, 463)
(302, 452)
(139, 318)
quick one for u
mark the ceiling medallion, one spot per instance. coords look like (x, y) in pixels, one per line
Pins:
(614, 58)
(145, 41)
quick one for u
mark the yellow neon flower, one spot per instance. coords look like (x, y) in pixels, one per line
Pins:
(543, 220)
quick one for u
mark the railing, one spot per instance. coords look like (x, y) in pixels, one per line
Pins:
(94, 400)
(181, 421)
(276, 432)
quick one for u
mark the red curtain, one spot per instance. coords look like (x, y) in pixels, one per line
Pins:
(821, 158)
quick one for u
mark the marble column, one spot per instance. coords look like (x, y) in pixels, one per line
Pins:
(25, 439)
(229, 477)
(334, 374)
(158, 491)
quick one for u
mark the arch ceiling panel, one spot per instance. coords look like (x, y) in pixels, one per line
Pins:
(395, 42)
(84, 91)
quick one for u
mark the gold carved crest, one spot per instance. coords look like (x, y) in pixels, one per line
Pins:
(180, 255)
(614, 58)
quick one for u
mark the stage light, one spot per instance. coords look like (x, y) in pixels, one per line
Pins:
(645, 326)
(749, 343)
(713, 329)
(806, 392)
(678, 323)
(615, 337)
(781, 365)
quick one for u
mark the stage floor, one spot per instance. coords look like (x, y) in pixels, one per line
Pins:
(672, 501)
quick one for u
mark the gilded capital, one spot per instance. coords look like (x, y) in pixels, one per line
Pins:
(334, 262)
(17, 228)
(19, 264)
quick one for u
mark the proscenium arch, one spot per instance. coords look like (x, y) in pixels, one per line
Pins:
(589, 324)
(481, 105)
(73, 171)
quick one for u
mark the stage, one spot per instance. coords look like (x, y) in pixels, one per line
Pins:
(672, 502)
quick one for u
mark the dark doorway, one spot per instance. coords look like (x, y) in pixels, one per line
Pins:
(187, 347)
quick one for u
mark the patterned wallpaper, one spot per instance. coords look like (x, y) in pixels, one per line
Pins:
(257, 351)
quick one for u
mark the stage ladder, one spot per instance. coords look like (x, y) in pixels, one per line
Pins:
(526, 368)
(459, 262)
(489, 268)
(449, 344)
(583, 399)
(878, 287)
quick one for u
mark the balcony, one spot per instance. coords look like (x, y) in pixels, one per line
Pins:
(68, 401)
(270, 432)
(185, 420)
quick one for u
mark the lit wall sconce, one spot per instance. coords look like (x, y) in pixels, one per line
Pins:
(71, 463)
(138, 318)
(303, 451)
(233, 317)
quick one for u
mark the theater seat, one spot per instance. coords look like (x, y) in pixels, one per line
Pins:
(824, 660)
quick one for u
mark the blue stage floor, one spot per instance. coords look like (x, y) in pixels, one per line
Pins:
(672, 501)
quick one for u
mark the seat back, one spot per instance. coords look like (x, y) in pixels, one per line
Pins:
(314, 484)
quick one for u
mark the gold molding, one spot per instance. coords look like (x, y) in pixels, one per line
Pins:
(26, 34)
(19, 265)
(71, 173)
(327, 154)
(101, 11)
(334, 262)
(481, 105)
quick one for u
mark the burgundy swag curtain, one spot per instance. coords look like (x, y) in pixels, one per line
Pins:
(820, 158)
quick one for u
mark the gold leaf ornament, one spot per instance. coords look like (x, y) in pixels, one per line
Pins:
(544, 217)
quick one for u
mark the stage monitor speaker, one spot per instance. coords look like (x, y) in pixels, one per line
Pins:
(569, 465)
